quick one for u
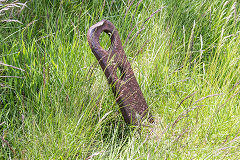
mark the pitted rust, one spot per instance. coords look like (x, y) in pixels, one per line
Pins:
(125, 87)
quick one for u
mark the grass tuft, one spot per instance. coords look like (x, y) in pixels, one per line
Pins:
(55, 101)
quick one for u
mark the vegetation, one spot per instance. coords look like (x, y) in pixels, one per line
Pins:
(55, 101)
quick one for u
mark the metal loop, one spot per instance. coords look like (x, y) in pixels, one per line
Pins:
(125, 87)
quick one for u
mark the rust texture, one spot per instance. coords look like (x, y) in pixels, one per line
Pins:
(124, 86)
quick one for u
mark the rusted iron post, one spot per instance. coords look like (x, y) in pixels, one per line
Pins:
(124, 86)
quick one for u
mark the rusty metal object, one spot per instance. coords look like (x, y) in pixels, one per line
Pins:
(124, 86)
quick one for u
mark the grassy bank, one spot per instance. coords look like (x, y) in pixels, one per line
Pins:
(56, 103)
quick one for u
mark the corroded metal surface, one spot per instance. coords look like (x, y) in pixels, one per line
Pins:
(125, 87)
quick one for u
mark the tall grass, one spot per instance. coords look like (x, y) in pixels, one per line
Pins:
(56, 103)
